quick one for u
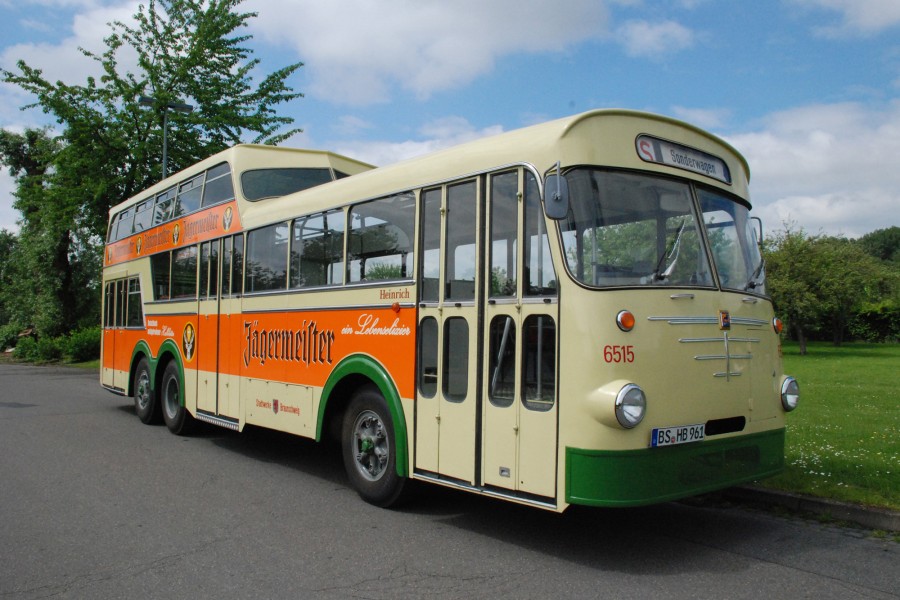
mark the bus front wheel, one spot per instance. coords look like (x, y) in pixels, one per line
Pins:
(178, 419)
(146, 402)
(368, 447)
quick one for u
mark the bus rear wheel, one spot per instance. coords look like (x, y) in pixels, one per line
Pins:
(146, 402)
(178, 419)
(370, 456)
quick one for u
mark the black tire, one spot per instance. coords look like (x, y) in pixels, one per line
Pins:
(146, 400)
(370, 453)
(178, 419)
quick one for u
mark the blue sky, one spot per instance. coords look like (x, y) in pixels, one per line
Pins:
(808, 90)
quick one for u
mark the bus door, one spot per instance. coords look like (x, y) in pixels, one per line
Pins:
(520, 329)
(448, 407)
(219, 326)
(115, 367)
(207, 338)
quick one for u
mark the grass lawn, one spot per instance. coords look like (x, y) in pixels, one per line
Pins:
(843, 441)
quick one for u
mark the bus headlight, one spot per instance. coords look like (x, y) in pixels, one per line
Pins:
(631, 404)
(790, 394)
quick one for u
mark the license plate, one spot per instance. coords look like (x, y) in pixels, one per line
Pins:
(670, 436)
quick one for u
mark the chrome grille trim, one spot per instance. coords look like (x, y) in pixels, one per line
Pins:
(725, 339)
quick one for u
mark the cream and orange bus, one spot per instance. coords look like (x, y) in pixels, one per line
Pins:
(570, 313)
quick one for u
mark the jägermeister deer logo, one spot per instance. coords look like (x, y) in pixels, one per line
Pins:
(188, 342)
(226, 218)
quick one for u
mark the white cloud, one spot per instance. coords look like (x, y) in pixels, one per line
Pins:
(435, 135)
(654, 40)
(707, 118)
(828, 167)
(859, 17)
(356, 50)
(8, 215)
(61, 61)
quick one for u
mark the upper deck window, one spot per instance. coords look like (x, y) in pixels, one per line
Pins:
(260, 184)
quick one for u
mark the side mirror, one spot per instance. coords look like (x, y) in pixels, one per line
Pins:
(556, 197)
(759, 231)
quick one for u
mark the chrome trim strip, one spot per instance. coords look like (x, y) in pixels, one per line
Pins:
(216, 420)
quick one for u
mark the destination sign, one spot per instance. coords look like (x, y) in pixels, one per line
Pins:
(655, 150)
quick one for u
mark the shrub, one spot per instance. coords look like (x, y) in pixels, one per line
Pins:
(8, 336)
(26, 349)
(82, 345)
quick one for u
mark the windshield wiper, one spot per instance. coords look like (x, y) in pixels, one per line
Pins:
(672, 255)
(752, 283)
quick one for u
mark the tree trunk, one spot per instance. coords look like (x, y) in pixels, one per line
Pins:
(801, 339)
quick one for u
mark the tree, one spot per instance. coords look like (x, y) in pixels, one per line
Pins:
(819, 282)
(847, 278)
(109, 146)
(883, 244)
(789, 256)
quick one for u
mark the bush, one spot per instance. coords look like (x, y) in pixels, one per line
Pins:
(876, 322)
(79, 346)
(26, 349)
(8, 336)
(82, 345)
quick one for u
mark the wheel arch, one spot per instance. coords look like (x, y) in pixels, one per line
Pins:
(168, 352)
(141, 350)
(349, 375)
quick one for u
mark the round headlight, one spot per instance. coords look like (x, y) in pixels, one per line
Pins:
(790, 394)
(631, 404)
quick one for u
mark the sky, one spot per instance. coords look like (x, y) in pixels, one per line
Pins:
(807, 90)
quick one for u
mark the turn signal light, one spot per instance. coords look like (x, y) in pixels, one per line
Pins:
(778, 325)
(625, 320)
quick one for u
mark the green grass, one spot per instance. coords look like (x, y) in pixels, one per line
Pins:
(843, 441)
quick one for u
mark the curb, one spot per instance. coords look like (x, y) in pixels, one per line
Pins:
(867, 517)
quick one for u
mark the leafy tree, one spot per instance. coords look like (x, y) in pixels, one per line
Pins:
(109, 146)
(789, 256)
(847, 278)
(883, 244)
(818, 283)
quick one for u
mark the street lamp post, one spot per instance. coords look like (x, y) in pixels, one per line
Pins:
(177, 107)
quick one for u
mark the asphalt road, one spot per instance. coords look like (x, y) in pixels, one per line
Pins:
(93, 504)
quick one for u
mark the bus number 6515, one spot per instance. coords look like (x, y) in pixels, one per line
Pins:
(618, 354)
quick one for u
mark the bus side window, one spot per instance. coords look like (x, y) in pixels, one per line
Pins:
(504, 234)
(540, 275)
(160, 266)
(121, 299)
(189, 194)
(539, 363)
(428, 359)
(162, 212)
(431, 245)
(218, 185)
(135, 317)
(502, 372)
(381, 238)
(184, 273)
(267, 258)
(143, 218)
(456, 359)
(317, 250)
(461, 232)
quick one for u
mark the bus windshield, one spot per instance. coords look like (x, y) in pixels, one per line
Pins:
(733, 241)
(627, 229)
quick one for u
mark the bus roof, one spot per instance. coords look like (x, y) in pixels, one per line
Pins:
(598, 136)
(255, 156)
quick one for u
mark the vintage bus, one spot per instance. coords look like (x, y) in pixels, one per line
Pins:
(570, 313)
